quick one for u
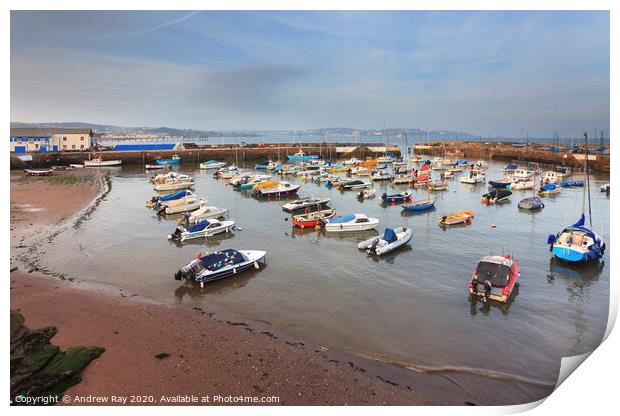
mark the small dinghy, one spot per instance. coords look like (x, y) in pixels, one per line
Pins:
(367, 194)
(548, 189)
(404, 196)
(154, 167)
(314, 204)
(532, 203)
(206, 212)
(220, 264)
(100, 163)
(495, 196)
(391, 240)
(460, 217)
(419, 205)
(206, 228)
(38, 172)
(605, 188)
(188, 203)
(165, 198)
(76, 165)
(313, 219)
(494, 278)
(438, 186)
(351, 222)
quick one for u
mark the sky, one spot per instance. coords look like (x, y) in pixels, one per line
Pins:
(486, 73)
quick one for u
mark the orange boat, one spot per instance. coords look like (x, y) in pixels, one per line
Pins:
(265, 185)
(460, 217)
(368, 163)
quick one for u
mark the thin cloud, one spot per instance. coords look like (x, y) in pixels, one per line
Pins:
(151, 29)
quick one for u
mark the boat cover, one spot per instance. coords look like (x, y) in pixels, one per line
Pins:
(172, 197)
(572, 183)
(511, 166)
(198, 227)
(389, 235)
(344, 218)
(221, 259)
(497, 273)
(495, 184)
(549, 187)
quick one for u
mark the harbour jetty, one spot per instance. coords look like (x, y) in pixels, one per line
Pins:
(191, 153)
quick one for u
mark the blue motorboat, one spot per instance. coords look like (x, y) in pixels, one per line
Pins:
(576, 243)
(220, 264)
(572, 184)
(403, 196)
(301, 157)
(262, 165)
(171, 197)
(176, 160)
(419, 205)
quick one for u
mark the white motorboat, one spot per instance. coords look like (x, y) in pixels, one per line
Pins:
(403, 178)
(206, 212)
(389, 241)
(523, 184)
(381, 175)
(367, 193)
(350, 222)
(474, 176)
(351, 162)
(212, 164)
(306, 204)
(355, 184)
(206, 228)
(220, 264)
(174, 185)
(522, 173)
(100, 163)
(188, 203)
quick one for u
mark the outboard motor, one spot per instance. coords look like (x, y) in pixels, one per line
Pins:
(178, 275)
(487, 289)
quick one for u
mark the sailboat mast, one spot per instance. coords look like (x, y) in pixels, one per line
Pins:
(587, 184)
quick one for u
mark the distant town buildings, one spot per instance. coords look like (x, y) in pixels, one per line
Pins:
(50, 139)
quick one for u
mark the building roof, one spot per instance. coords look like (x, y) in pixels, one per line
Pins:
(43, 132)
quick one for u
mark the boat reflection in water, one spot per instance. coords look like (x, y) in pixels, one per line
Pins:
(476, 306)
(580, 274)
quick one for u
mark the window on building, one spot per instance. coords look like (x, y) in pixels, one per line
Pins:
(82, 138)
(73, 146)
(81, 146)
(64, 139)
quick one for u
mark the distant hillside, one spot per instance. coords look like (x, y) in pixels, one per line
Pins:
(412, 133)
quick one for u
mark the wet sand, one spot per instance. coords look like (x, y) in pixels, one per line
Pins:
(200, 353)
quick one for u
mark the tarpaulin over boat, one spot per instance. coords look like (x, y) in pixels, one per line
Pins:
(497, 274)
(549, 187)
(172, 197)
(344, 218)
(222, 258)
(198, 227)
(389, 235)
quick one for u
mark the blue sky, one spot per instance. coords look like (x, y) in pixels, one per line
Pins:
(480, 72)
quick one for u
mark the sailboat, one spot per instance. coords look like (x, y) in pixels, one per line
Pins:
(533, 202)
(576, 243)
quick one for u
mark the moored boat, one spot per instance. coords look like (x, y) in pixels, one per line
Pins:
(188, 203)
(495, 196)
(572, 184)
(494, 278)
(389, 241)
(366, 193)
(38, 172)
(206, 212)
(281, 189)
(400, 197)
(212, 164)
(300, 156)
(474, 177)
(100, 163)
(460, 217)
(313, 219)
(531, 203)
(549, 189)
(306, 204)
(174, 185)
(175, 160)
(438, 186)
(523, 184)
(350, 222)
(354, 184)
(164, 198)
(220, 264)
(205, 228)
(419, 205)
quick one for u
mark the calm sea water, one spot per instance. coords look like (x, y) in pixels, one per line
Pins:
(411, 306)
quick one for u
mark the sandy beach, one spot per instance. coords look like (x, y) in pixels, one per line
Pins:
(165, 353)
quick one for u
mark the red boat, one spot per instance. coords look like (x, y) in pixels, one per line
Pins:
(494, 278)
(313, 219)
(38, 172)
(421, 179)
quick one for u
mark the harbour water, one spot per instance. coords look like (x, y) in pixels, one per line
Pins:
(411, 306)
